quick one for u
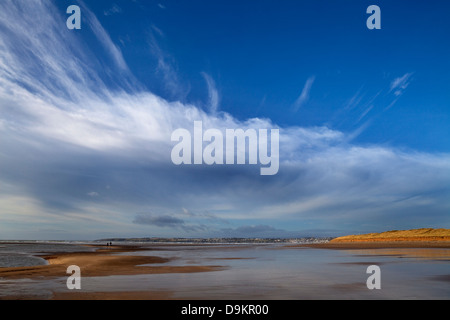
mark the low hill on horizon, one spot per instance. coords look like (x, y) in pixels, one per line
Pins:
(423, 234)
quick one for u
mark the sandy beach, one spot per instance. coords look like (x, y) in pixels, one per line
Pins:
(127, 260)
(102, 263)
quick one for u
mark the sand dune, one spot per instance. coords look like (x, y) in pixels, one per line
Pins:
(415, 235)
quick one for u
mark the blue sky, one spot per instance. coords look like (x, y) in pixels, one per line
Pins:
(86, 117)
(261, 57)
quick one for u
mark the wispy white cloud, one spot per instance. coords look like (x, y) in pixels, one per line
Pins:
(390, 105)
(398, 88)
(354, 100)
(158, 31)
(365, 112)
(115, 9)
(105, 39)
(304, 96)
(399, 85)
(213, 94)
(166, 66)
(93, 194)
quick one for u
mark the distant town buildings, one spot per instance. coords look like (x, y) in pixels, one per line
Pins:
(304, 240)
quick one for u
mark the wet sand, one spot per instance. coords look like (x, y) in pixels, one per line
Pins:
(101, 263)
(104, 262)
(129, 295)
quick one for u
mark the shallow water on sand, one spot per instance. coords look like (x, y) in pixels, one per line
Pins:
(25, 254)
(278, 272)
(275, 272)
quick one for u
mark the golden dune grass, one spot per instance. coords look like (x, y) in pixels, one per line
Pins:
(424, 234)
